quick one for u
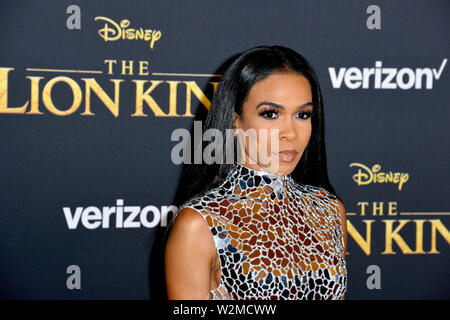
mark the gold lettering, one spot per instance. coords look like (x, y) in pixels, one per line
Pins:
(362, 178)
(110, 65)
(143, 68)
(139, 34)
(393, 235)
(366, 175)
(113, 31)
(47, 96)
(173, 98)
(436, 224)
(363, 207)
(4, 94)
(376, 209)
(35, 95)
(156, 35)
(111, 101)
(375, 169)
(191, 86)
(142, 96)
(419, 236)
(148, 35)
(123, 24)
(391, 207)
(363, 243)
(215, 84)
(128, 67)
(106, 32)
(113, 106)
(130, 33)
(403, 178)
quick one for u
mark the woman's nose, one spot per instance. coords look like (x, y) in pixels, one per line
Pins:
(288, 130)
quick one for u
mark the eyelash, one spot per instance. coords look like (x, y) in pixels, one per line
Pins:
(268, 111)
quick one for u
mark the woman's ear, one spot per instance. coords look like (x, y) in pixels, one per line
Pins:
(235, 122)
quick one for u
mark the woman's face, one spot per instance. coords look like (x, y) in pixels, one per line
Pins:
(281, 101)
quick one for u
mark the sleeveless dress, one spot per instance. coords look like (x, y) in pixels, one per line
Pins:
(276, 238)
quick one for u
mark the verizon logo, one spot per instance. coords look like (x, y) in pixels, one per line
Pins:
(385, 78)
(118, 216)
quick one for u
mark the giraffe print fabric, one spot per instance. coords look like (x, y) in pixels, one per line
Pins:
(276, 238)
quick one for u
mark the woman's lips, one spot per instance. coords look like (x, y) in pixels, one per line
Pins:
(287, 156)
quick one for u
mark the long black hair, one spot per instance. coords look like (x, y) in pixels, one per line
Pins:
(248, 68)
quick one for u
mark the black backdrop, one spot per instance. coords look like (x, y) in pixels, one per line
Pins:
(56, 158)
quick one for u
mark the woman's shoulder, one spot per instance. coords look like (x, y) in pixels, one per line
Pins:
(190, 246)
(189, 219)
(190, 226)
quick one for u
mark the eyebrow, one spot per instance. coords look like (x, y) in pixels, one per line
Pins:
(279, 106)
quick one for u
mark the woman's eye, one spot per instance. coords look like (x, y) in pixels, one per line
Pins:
(305, 114)
(273, 114)
(269, 114)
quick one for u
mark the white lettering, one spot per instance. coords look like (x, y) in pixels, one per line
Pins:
(129, 221)
(385, 78)
(125, 216)
(72, 222)
(90, 218)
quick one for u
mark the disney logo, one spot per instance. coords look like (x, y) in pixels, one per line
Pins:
(366, 175)
(113, 31)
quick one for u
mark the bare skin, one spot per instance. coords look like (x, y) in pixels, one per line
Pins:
(190, 258)
(281, 101)
(192, 265)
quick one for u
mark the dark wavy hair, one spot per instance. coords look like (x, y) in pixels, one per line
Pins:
(248, 68)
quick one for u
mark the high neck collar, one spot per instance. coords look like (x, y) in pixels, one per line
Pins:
(250, 179)
(244, 170)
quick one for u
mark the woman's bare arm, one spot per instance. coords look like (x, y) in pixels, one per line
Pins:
(189, 257)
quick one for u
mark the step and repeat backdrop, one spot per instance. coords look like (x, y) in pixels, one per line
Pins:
(91, 92)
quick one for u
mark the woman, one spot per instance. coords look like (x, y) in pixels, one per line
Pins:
(257, 229)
